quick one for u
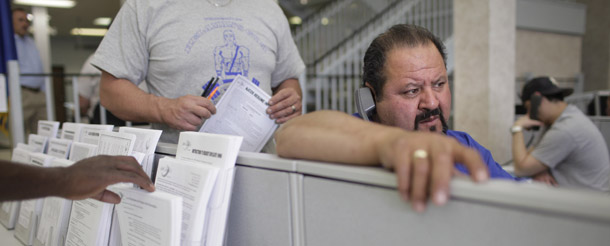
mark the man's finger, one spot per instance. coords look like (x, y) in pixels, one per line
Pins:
(441, 175)
(402, 168)
(108, 197)
(473, 162)
(419, 176)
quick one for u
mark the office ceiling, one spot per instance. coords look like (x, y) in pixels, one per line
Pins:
(85, 11)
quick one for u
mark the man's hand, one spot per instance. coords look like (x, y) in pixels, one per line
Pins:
(90, 177)
(286, 101)
(545, 177)
(186, 112)
(424, 165)
(527, 123)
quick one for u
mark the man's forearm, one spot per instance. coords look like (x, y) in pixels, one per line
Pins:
(519, 150)
(128, 102)
(23, 181)
(331, 136)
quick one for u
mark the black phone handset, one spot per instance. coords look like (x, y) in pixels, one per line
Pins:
(535, 101)
(365, 104)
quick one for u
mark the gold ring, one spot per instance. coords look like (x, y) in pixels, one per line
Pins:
(420, 153)
(294, 109)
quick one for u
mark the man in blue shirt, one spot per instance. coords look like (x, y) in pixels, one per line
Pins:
(405, 72)
(32, 87)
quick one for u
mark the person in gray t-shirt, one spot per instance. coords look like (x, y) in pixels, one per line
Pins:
(572, 152)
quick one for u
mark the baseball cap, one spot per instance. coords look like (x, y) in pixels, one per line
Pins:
(546, 86)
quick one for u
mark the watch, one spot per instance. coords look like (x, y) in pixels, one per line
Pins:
(516, 129)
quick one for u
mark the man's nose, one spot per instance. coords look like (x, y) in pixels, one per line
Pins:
(428, 99)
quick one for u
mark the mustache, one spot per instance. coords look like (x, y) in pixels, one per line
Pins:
(427, 114)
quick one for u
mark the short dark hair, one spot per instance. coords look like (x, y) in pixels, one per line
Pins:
(18, 10)
(398, 36)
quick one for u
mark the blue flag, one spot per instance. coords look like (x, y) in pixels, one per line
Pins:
(7, 39)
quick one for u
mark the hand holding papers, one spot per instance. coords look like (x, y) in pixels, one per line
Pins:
(241, 112)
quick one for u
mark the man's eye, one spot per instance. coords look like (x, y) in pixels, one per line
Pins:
(412, 91)
(439, 84)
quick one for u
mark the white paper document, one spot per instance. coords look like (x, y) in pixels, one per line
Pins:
(149, 218)
(115, 143)
(53, 223)
(59, 148)
(194, 182)
(219, 151)
(38, 142)
(30, 210)
(144, 146)
(48, 128)
(71, 131)
(79, 151)
(241, 112)
(10, 210)
(89, 223)
(91, 133)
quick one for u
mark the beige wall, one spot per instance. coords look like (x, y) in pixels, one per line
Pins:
(542, 53)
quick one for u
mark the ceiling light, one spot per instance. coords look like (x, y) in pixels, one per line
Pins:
(89, 31)
(295, 20)
(47, 3)
(324, 21)
(102, 21)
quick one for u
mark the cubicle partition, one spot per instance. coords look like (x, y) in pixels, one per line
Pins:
(279, 201)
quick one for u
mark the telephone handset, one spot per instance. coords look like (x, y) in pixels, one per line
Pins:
(365, 104)
(535, 101)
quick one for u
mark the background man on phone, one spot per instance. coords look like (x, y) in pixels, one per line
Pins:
(571, 151)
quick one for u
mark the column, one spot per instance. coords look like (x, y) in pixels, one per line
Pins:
(484, 81)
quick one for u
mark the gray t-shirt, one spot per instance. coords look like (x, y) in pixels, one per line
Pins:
(575, 151)
(177, 45)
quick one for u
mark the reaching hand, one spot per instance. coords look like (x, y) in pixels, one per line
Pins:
(284, 105)
(186, 112)
(424, 165)
(545, 177)
(90, 177)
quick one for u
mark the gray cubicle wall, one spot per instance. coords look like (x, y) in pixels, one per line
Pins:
(292, 202)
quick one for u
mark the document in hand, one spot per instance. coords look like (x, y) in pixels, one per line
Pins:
(194, 183)
(71, 131)
(219, 151)
(241, 111)
(30, 211)
(149, 218)
(48, 128)
(89, 223)
(10, 210)
(55, 215)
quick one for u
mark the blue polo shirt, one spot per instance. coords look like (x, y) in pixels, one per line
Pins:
(495, 170)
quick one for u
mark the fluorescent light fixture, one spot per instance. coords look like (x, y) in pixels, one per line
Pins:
(295, 20)
(324, 21)
(47, 3)
(98, 32)
(102, 21)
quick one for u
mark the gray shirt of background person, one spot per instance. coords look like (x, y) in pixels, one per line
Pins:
(575, 151)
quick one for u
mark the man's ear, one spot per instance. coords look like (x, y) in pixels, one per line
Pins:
(368, 85)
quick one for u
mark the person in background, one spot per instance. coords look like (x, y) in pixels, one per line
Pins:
(87, 178)
(405, 71)
(177, 46)
(32, 87)
(571, 150)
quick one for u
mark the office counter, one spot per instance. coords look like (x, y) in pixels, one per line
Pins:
(279, 201)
